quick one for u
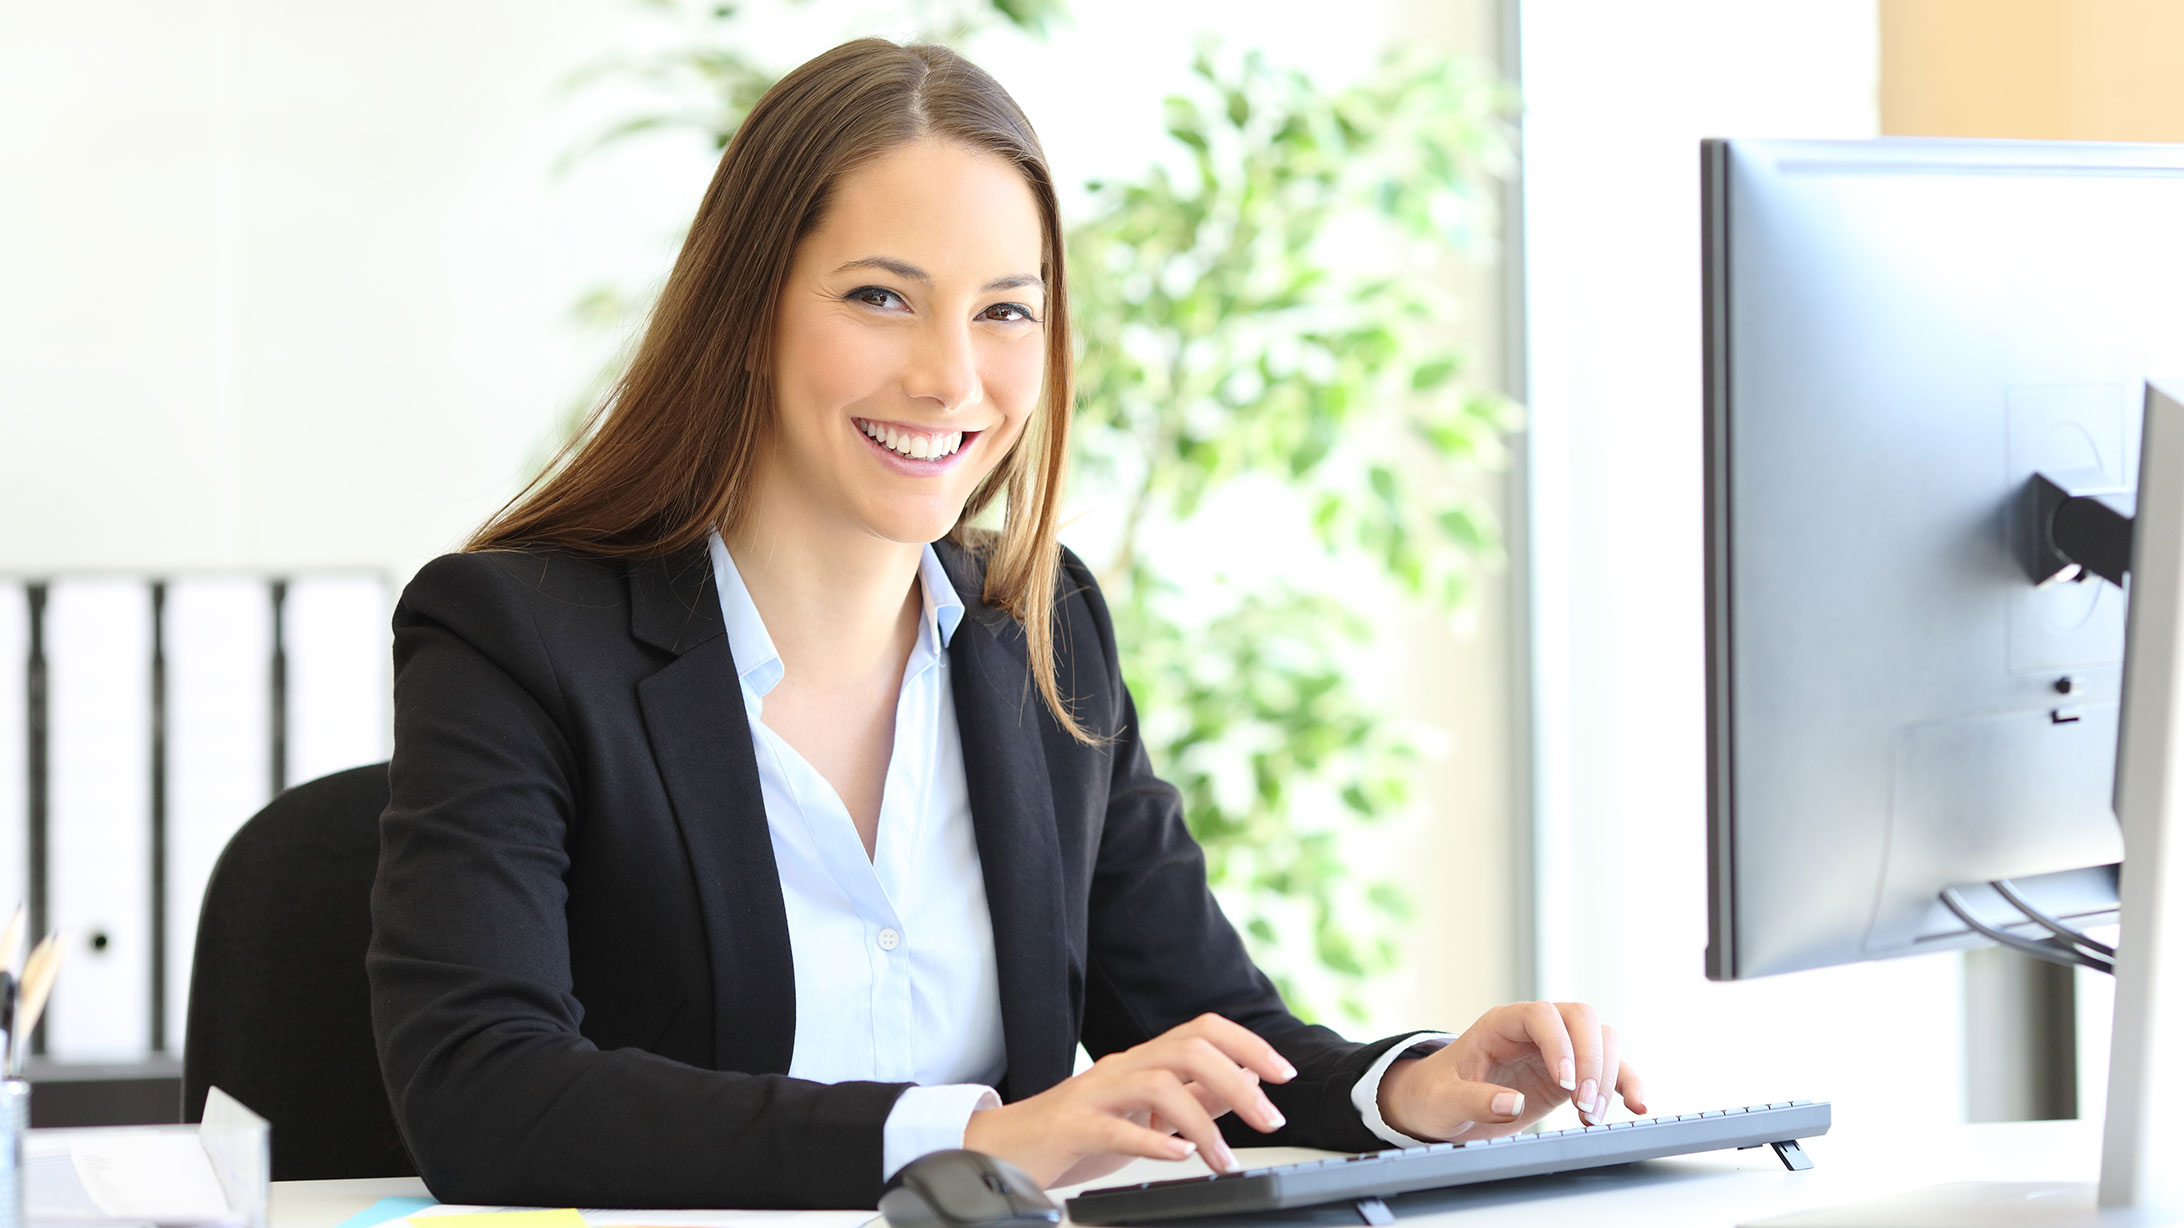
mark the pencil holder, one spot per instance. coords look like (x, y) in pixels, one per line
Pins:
(14, 1126)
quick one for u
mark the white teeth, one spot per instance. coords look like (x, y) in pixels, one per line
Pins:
(917, 447)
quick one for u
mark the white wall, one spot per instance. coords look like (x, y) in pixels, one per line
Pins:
(1619, 96)
(289, 285)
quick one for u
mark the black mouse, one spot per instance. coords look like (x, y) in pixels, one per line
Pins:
(965, 1189)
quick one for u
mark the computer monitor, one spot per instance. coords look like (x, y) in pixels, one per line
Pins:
(1900, 335)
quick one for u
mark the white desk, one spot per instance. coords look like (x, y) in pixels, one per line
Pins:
(1856, 1160)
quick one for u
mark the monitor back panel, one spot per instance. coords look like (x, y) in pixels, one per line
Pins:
(1899, 334)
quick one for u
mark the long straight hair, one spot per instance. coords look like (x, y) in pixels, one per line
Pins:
(667, 455)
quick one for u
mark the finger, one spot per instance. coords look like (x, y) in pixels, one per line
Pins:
(1208, 1099)
(1243, 1046)
(1583, 1026)
(1485, 1102)
(1540, 1025)
(1165, 1095)
(1605, 1101)
(1117, 1136)
(1215, 1104)
(1198, 1062)
(1633, 1089)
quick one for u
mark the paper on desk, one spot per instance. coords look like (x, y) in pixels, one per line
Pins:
(51, 1191)
(162, 1177)
(237, 1146)
(214, 1174)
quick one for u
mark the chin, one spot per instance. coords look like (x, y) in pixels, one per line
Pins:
(913, 528)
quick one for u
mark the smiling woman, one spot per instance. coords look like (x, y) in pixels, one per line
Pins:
(728, 861)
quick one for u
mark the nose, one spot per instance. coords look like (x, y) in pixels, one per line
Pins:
(944, 367)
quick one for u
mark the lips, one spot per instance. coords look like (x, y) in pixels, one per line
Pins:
(915, 443)
(897, 445)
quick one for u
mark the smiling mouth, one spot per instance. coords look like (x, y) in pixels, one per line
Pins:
(932, 447)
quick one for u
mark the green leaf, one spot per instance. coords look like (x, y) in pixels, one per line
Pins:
(1031, 16)
(1383, 482)
(1464, 529)
(1432, 374)
(1184, 122)
(1239, 108)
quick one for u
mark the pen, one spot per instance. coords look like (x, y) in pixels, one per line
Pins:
(11, 942)
(38, 973)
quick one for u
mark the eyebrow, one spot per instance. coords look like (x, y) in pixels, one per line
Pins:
(906, 270)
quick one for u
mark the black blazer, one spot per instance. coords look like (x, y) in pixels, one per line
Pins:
(580, 975)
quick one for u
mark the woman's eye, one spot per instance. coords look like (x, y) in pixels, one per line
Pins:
(875, 296)
(1010, 313)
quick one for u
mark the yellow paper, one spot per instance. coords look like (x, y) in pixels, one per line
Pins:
(564, 1218)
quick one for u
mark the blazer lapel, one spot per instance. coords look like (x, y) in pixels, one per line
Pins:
(1012, 814)
(701, 739)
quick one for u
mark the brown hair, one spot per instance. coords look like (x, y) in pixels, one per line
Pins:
(666, 456)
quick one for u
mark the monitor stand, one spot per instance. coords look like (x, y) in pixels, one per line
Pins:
(2142, 1145)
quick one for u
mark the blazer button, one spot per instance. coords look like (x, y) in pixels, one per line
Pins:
(889, 940)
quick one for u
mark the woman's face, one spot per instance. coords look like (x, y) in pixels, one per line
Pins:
(909, 344)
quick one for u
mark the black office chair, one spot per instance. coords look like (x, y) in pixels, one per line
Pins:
(280, 1014)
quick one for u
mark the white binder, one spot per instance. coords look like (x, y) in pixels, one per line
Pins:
(99, 653)
(340, 669)
(14, 744)
(219, 649)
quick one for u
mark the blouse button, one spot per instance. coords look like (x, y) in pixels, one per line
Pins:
(889, 940)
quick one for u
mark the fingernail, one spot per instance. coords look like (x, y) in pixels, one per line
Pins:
(1288, 1071)
(1275, 1120)
(1508, 1104)
(1183, 1148)
(1227, 1159)
(1600, 1108)
(1569, 1075)
(1588, 1096)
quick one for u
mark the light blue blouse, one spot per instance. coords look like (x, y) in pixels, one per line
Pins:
(893, 955)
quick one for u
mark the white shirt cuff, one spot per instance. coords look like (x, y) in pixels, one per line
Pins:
(1366, 1095)
(927, 1119)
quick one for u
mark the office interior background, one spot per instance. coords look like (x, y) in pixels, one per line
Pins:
(292, 291)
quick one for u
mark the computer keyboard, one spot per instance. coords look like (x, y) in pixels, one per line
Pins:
(1366, 1179)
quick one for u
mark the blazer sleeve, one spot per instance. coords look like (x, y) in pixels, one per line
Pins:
(1160, 951)
(500, 1097)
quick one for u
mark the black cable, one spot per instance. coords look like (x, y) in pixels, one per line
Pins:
(2052, 952)
(2068, 933)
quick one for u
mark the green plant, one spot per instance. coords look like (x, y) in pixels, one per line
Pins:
(1277, 303)
(1272, 300)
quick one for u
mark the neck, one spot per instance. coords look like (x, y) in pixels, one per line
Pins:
(842, 607)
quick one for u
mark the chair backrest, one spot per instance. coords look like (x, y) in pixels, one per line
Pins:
(280, 1013)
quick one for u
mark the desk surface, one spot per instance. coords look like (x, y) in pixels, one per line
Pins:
(1716, 1188)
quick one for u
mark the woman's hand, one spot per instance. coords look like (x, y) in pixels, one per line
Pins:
(1513, 1067)
(1158, 1099)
